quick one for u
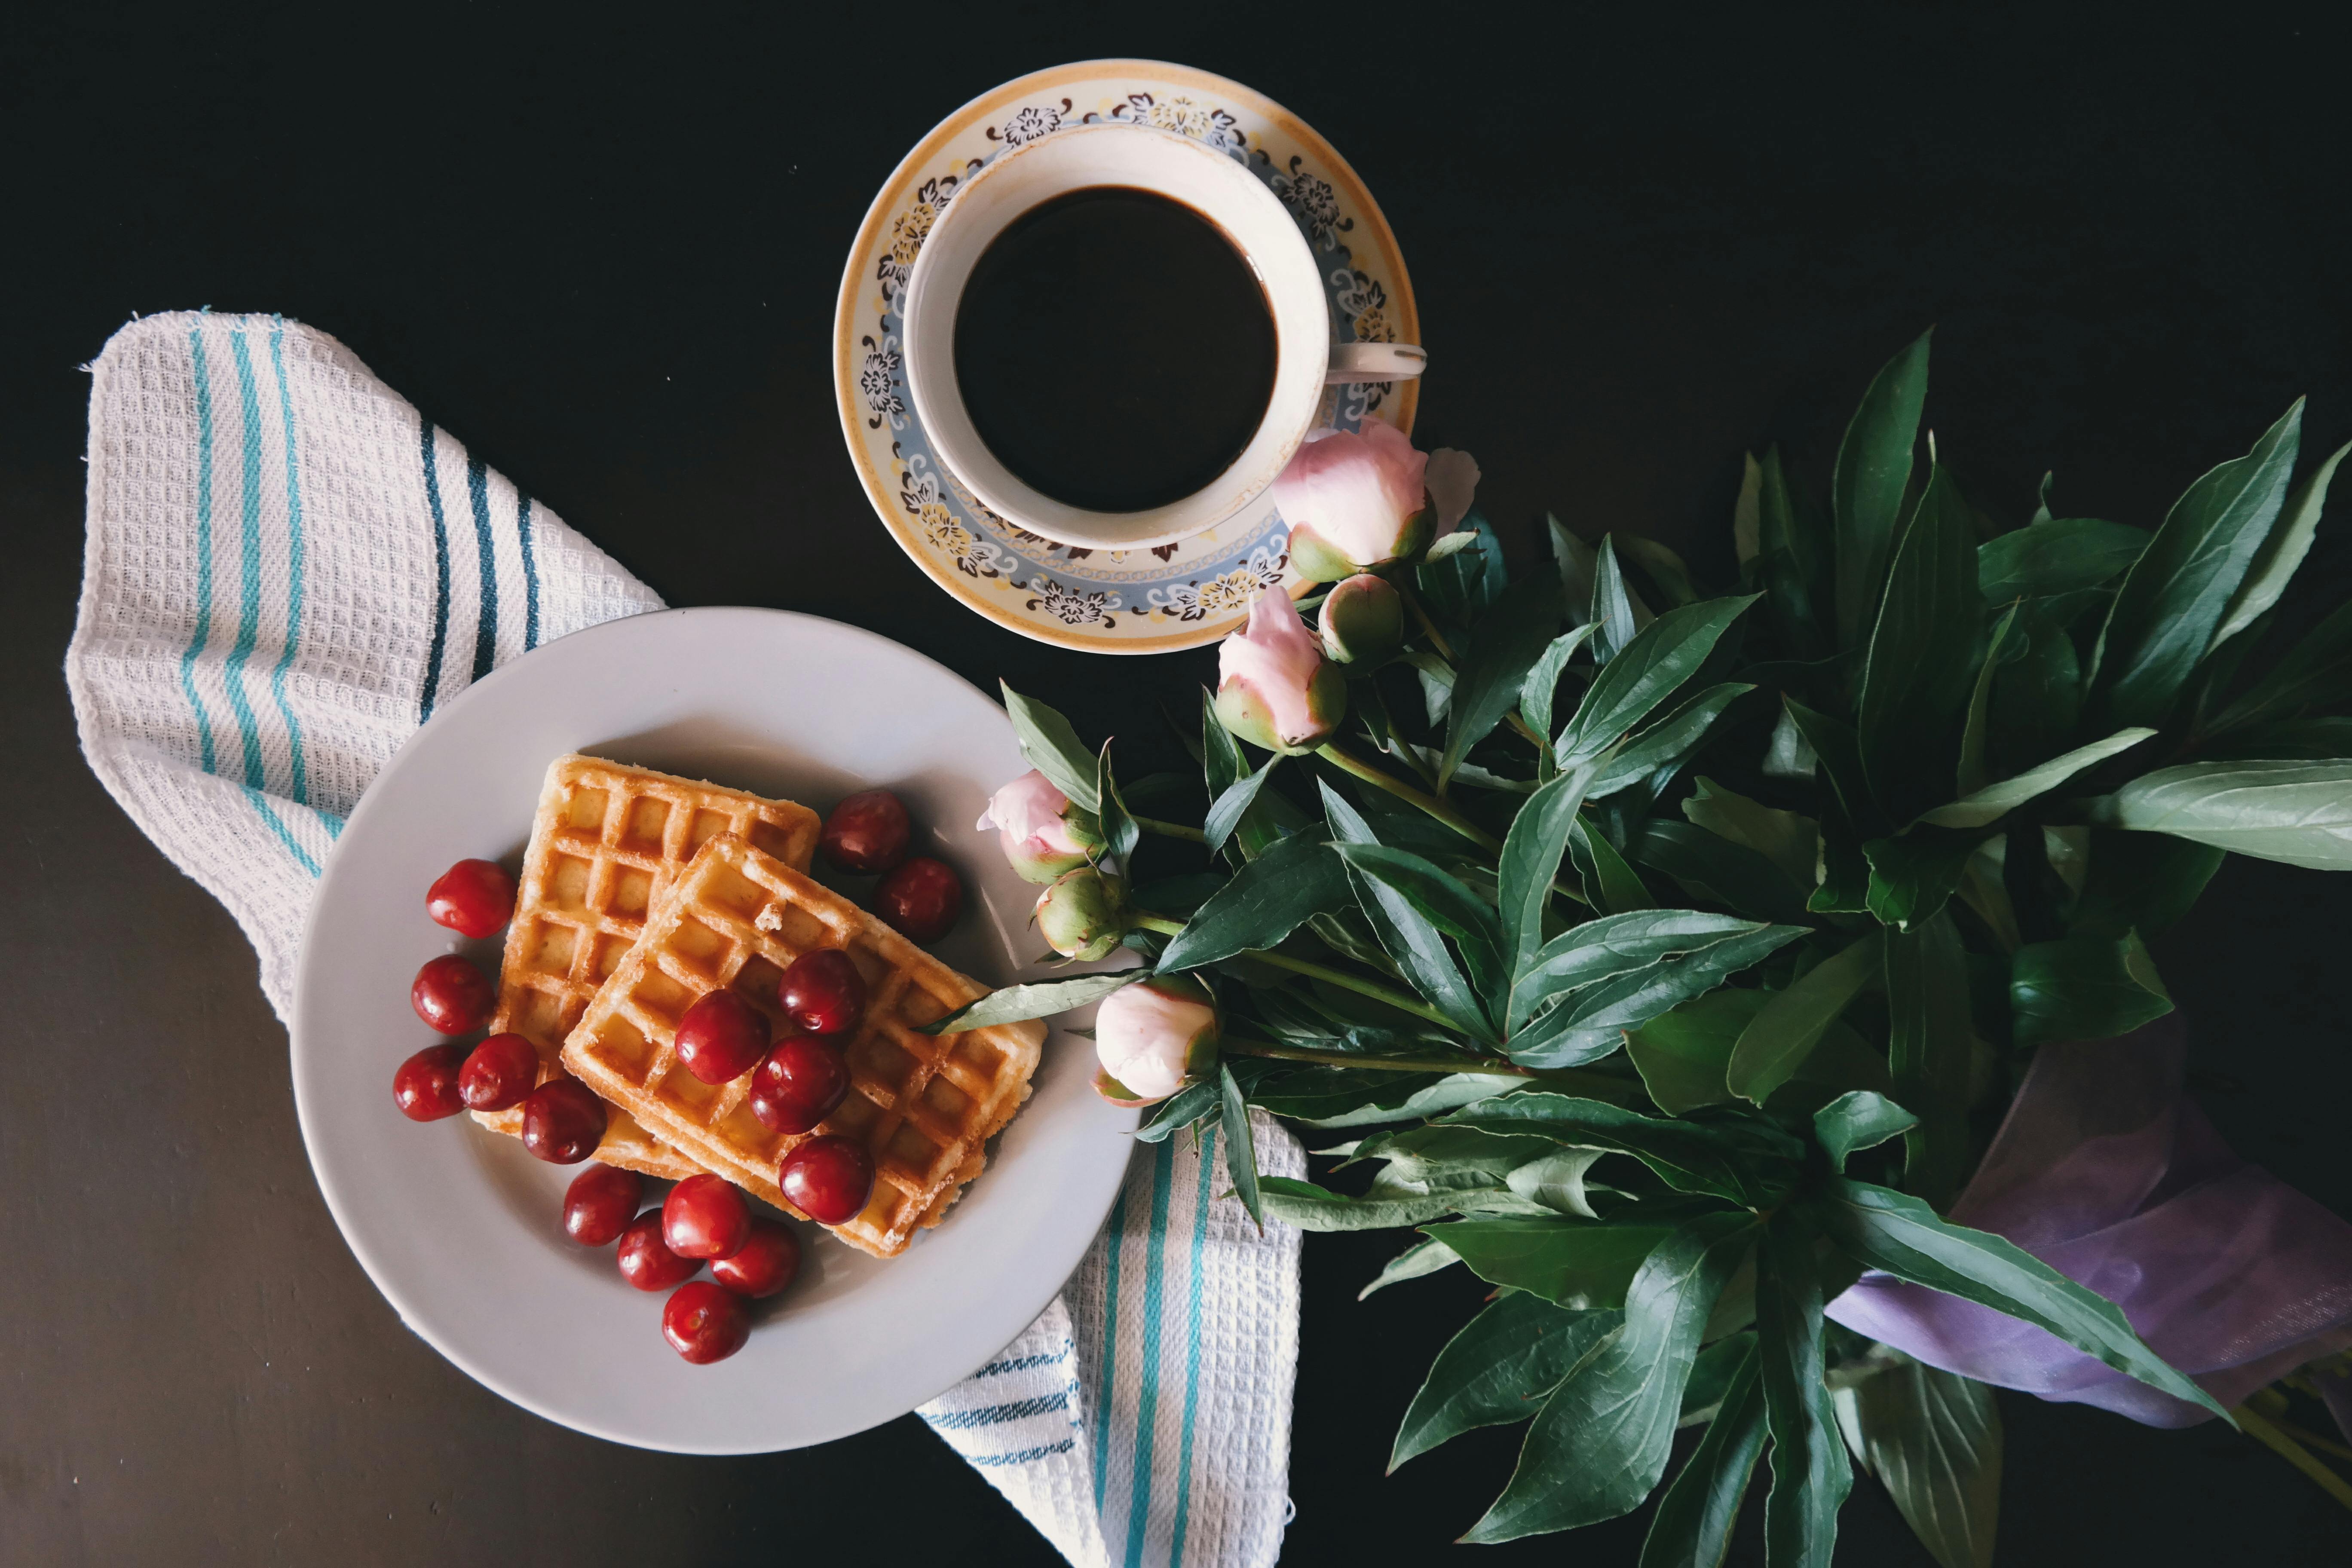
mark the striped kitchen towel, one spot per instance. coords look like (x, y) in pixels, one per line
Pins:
(288, 569)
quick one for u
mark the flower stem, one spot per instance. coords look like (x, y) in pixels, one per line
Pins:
(1159, 923)
(1331, 752)
(1346, 982)
(1242, 1046)
(1428, 628)
(1168, 829)
(2295, 1454)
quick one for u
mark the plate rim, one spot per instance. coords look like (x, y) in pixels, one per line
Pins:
(303, 1060)
(1183, 77)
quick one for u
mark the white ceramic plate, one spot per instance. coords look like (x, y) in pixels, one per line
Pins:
(461, 1229)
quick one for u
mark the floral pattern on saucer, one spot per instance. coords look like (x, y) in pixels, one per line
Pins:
(1119, 601)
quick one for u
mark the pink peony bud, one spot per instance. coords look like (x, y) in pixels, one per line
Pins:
(1043, 835)
(1083, 914)
(1354, 501)
(1362, 620)
(1275, 689)
(1153, 1036)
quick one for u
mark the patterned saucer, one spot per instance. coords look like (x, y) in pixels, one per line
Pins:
(1159, 600)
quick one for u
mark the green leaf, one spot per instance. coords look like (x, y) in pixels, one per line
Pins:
(1202, 1097)
(1901, 1235)
(1609, 885)
(1423, 1257)
(1873, 466)
(1928, 1047)
(1711, 1374)
(1590, 1023)
(1543, 680)
(1840, 752)
(1600, 1442)
(1240, 1148)
(1266, 900)
(1227, 811)
(1682, 1054)
(2283, 551)
(1795, 553)
(1223, 762)
(1791, 1024)
(1811, 1477)
(1053, 748)
(1573, 1263)
(2297, 813)
(1745, 1159)
(1610, 947)
(1445, 902)
(2084, 988)
(2038, 691)
(1119, 833)
(1530, 859)
(1747, 519)
(1666, 652)
(1915, 679)
(2179, 591)
(1933, 1440)
(1617, 614)
(1459, 587)
(1856, 1121)
(2063, 556)
(1577, 566)
(1310, 1208)
(1994, 802)
(1441, 1154)
(1508, 641)
(2315, 672)
(1971, 770)
(1845, 870)
(2140, 880)
(1015, 1003)
(2309, 740)
(1790, 841)
(1556, 1182)
(1913, 877)
(1410, 939)
(1666, 568)
(1692, 1527)
(1668, 743)
(1716, 869)
(1448, 1093)
(1495, 1371)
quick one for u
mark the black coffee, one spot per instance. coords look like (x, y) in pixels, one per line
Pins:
(1114, 348)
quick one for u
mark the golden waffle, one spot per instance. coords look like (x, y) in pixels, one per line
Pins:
(923, 1105)
(604, 843)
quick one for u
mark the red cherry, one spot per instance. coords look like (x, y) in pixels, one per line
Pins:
(646, 1261)
(705, 1217)
(798, 1084)
(721, 1037)
(562, 1122)
(600, 1202)
(499, 1072)
(424, 1086)
(921, 897)
(823, 992)
(452, 997)
(704, 1323)
(868, 832)
(473, 898)
(765, 1264)
(827, 1179)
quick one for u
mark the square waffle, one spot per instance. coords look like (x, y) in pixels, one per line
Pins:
(606, 842)
(923, 1105)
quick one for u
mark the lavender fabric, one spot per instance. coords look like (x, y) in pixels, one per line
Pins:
(2109, 1172)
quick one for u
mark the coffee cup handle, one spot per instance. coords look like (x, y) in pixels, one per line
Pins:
(1353, 363)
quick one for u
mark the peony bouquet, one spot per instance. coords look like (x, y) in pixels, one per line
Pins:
(1753, 988)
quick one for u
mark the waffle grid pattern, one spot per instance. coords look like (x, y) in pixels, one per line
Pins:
(924, 1106)
(606, 842)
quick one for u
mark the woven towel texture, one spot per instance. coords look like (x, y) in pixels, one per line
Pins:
(288, 569)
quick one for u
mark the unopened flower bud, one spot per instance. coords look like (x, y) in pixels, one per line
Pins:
(1083, 914)
(1275, 689)
(1153, 1036)
(1043, 834)
(1362, 621)
(1354, 500)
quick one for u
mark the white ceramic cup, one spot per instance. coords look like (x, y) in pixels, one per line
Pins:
(1250, 215)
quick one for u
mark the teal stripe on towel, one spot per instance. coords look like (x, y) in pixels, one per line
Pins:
(248, 612)
(1107, 1383)
(204, 547)
(1147, 1400)
(441, 569)
(529, 574)
(278, 826)
(486, 625)
(1193, 1347)
(293, 568)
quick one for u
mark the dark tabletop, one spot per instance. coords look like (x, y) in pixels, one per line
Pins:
(602, 251)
